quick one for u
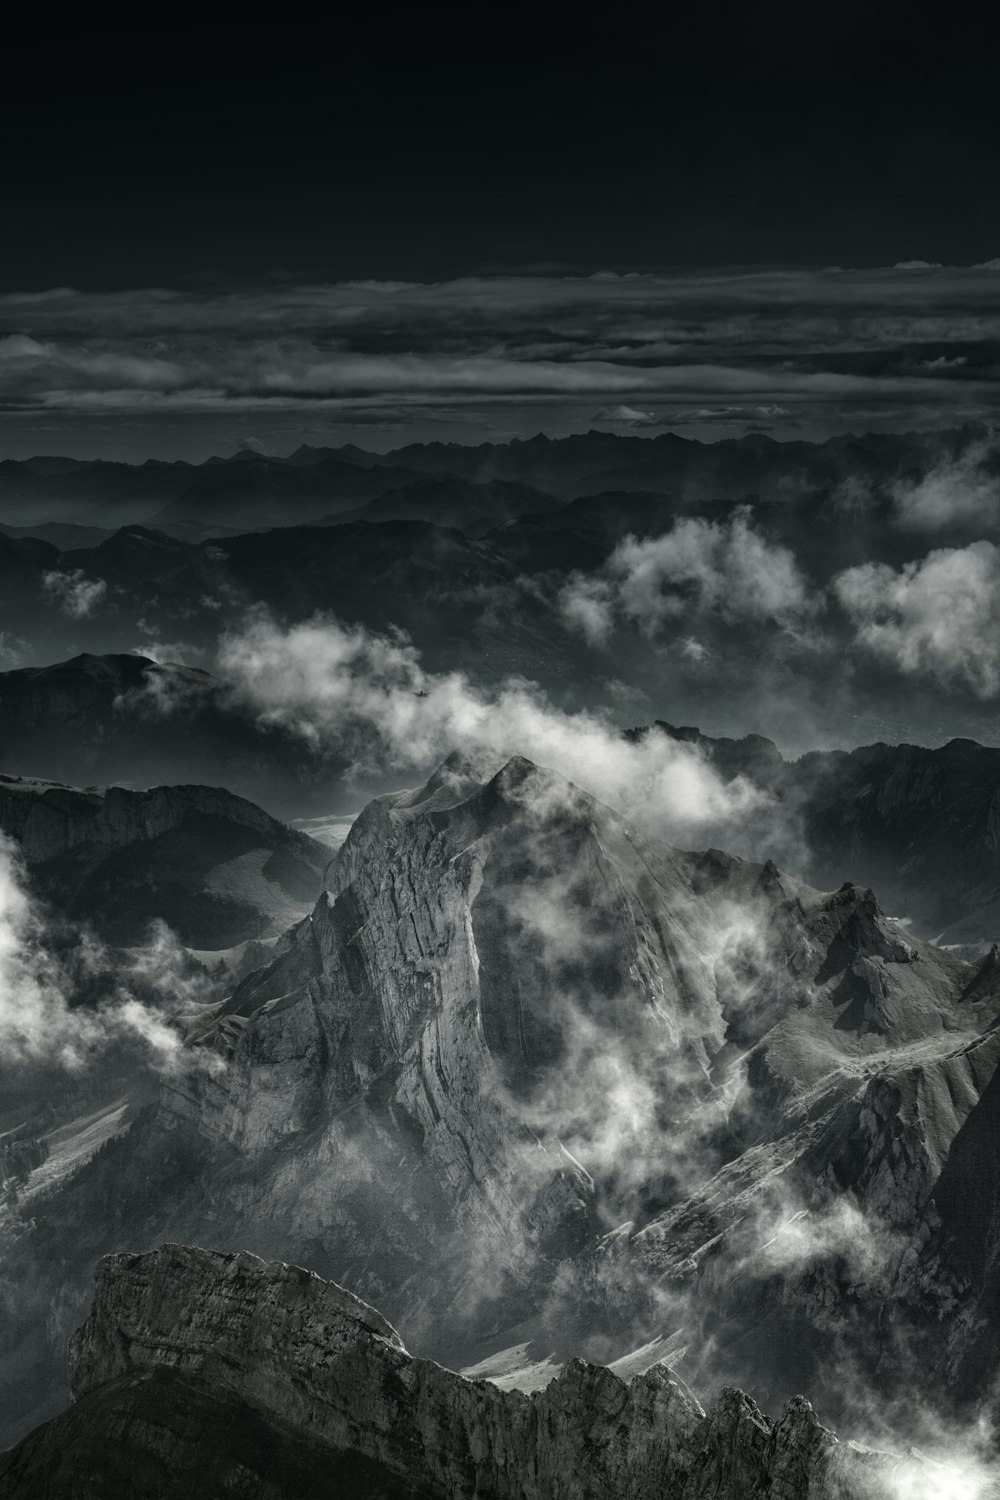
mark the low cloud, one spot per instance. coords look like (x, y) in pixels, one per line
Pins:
(44, 1018)
(726, 569)
(937, 618)
(367, 698)
(627, 416)
(960, 491)
(627, 1095)
(76, 595)
(588, 606)
(792, 1238)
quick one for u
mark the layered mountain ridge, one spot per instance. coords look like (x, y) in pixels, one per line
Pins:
(250, 487)
(543, 1087)
(921, 825)
(216, 868)
(307, 1388)
(125, 718)
(520, 559)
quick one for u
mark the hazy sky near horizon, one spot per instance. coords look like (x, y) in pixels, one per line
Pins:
(469, 225)
(713, 353)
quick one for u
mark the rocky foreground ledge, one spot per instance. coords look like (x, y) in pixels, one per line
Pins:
(210, 1375)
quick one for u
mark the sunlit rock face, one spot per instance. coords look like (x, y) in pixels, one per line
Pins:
(247, 1379)
(543, 1087)
(494, 953)
(587, 1074)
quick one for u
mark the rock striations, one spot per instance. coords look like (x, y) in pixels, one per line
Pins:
(541, 1087)
(308, 1390)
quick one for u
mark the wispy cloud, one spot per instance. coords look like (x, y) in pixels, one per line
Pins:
(627, 417)
(962, 490)
(727, 569)
(367, 698)
(764, 346)
(41, 1021)
(938, 617)
(77, 595)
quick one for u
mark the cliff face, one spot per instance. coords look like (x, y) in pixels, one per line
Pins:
(512, 1025)
(183, 1330)
(541, 1087)
(218, 869)
(427, 1018)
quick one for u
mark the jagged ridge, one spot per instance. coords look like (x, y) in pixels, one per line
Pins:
(244, 1340)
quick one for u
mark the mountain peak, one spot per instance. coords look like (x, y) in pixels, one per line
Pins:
(318, 1367)
(986, 980)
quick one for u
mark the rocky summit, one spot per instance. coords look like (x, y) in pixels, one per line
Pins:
(544, 1088)
(408, 435)
(223, 1376)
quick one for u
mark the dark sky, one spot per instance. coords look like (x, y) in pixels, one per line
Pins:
(255, 165)
(170, 146)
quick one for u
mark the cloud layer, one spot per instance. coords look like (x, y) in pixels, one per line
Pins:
(778, 348)
(366, 698)
(41, 982)
(937, 618)
(727, 569)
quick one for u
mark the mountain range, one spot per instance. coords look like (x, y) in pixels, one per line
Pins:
(252, 488)
(352, 946)
(543, 1087)
(919, 825)
(248, 1380)
(699, 579)
(444, 589)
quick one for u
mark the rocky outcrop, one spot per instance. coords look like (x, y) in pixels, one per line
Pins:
(247, 1342)
(218, 869)
(20, 1154)
(530, 1080)
(418, 1025)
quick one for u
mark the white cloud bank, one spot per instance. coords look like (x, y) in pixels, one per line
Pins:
(959, 491)
(39, 1024)
(938, 617)
(367, 698)
(727, 568)
(77, 595)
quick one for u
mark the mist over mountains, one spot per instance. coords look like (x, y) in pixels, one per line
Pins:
(830, 594)
(614, 1060)
(499, 755)
(696, 1113)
